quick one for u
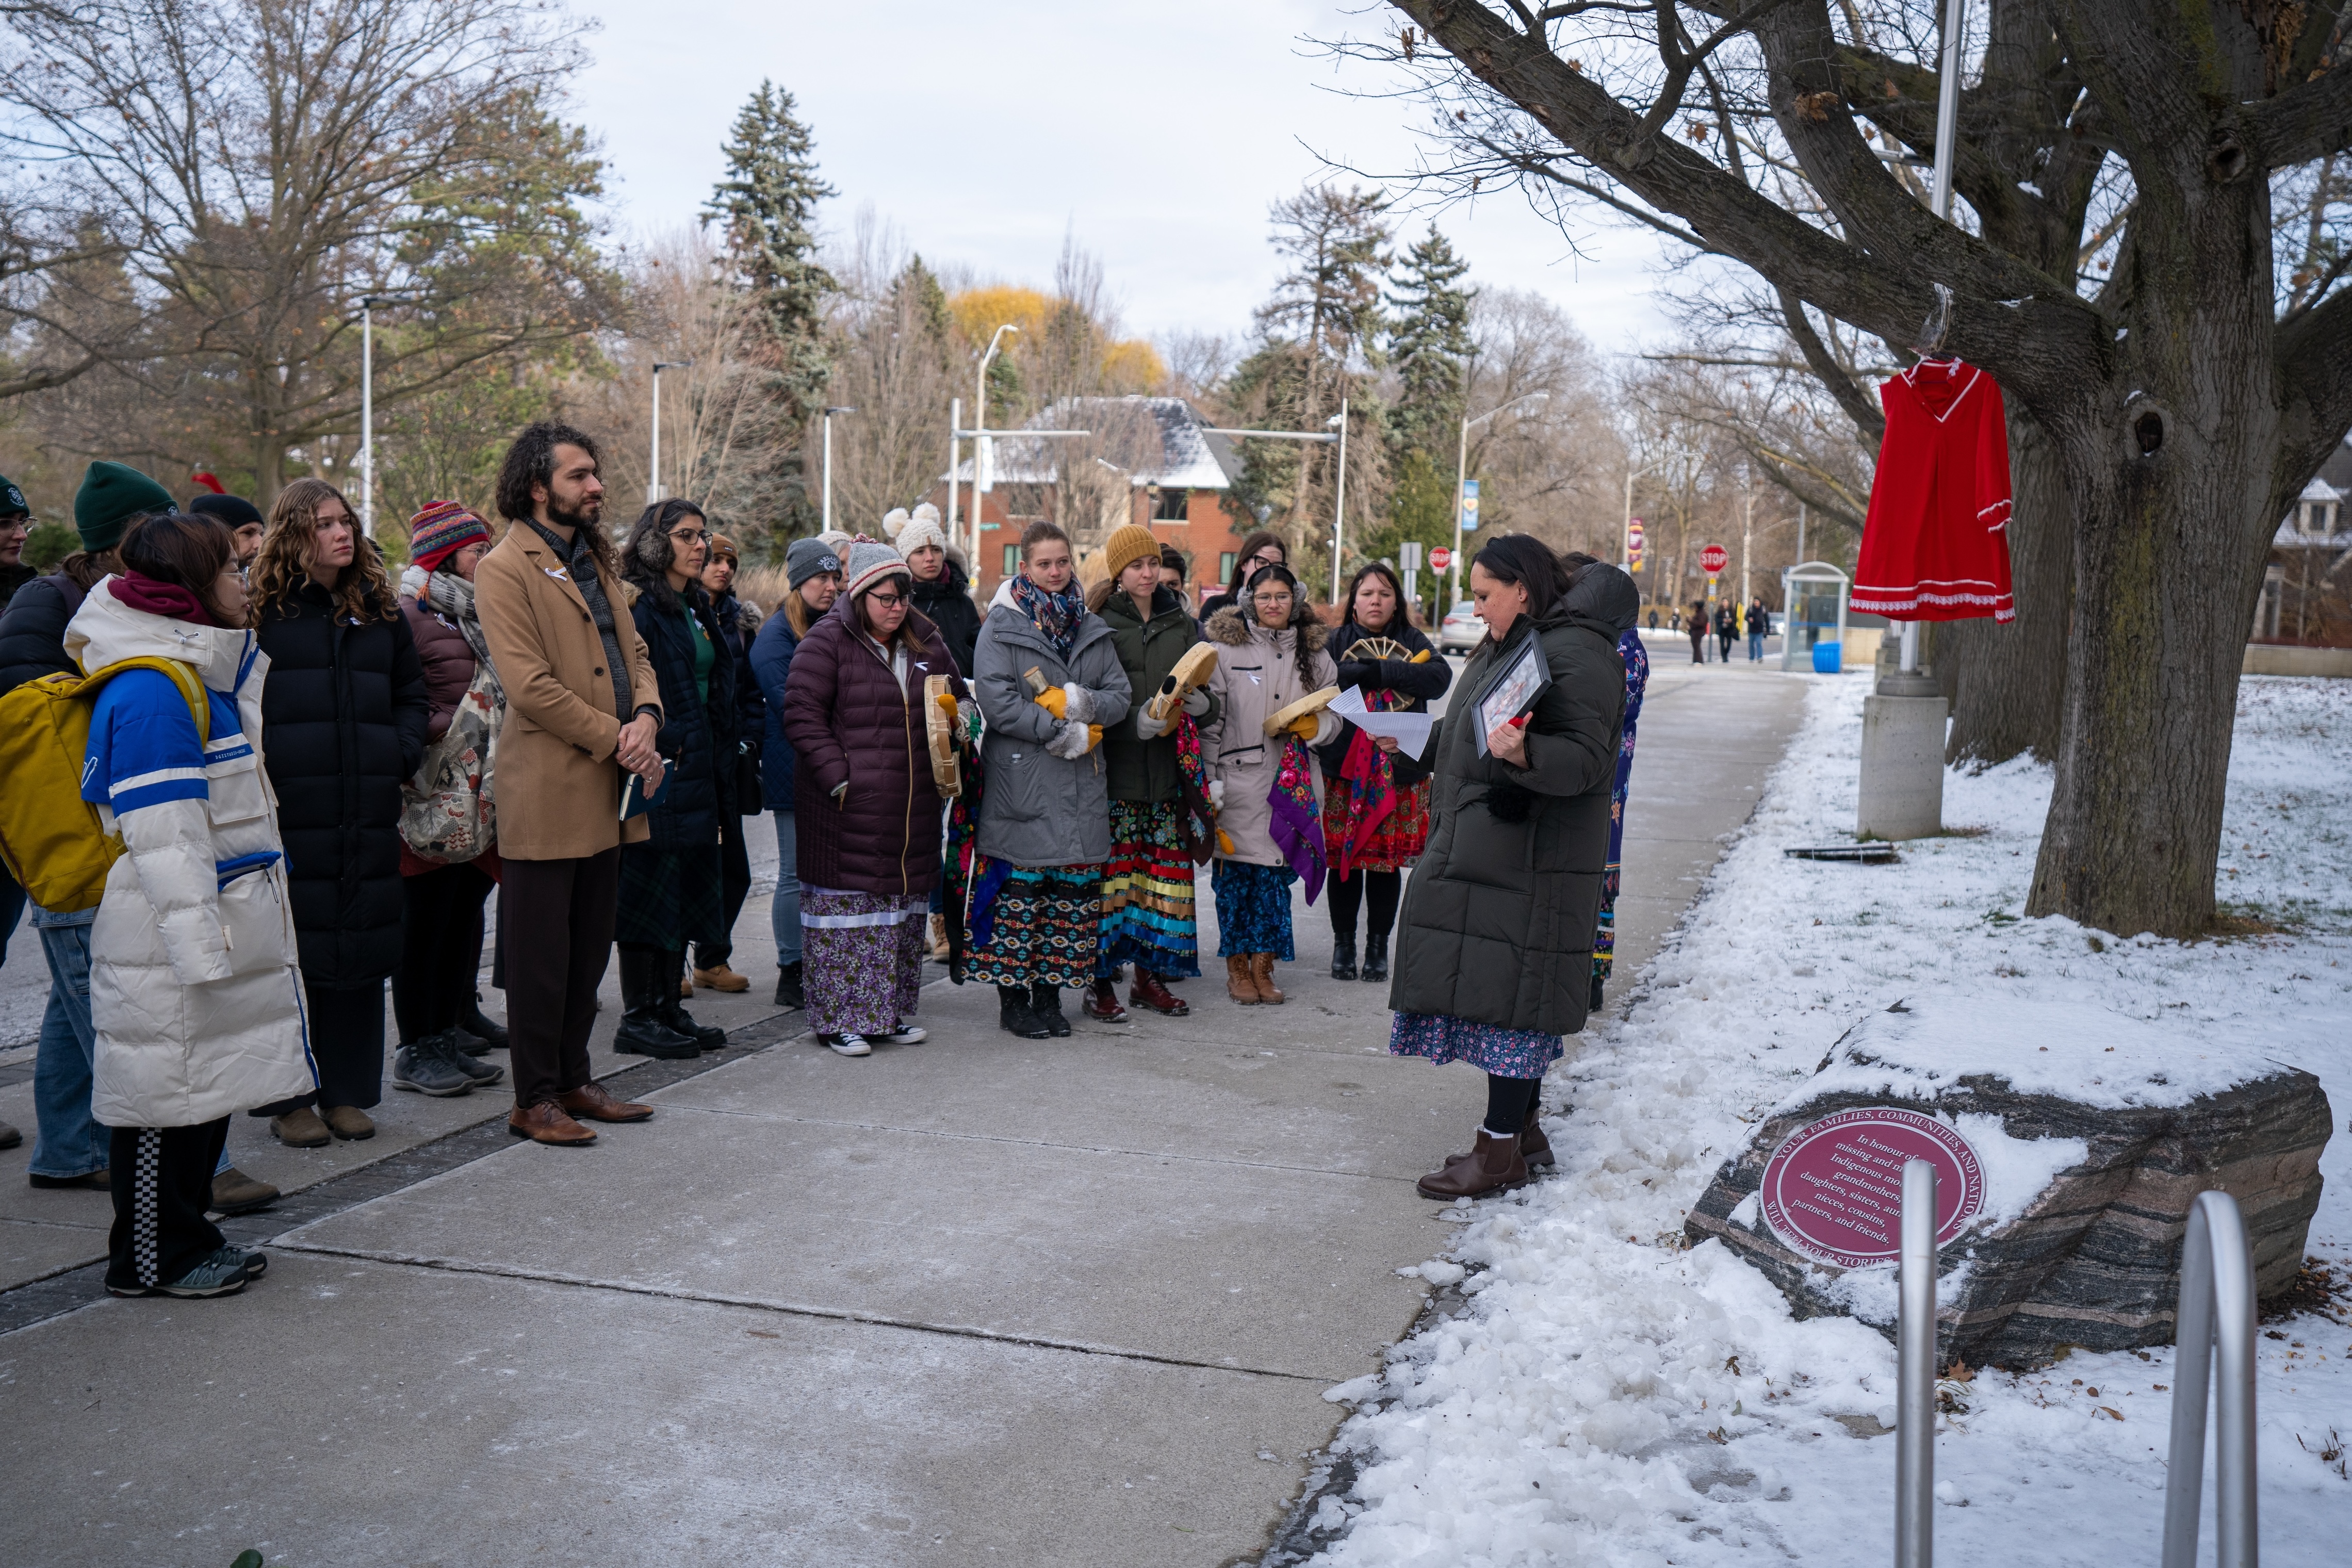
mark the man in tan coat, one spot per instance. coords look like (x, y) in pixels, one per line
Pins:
(582, 710)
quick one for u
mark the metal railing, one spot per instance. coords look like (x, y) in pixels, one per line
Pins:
(2217, 1307)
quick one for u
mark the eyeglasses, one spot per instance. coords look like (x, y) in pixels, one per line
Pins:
(1270, 599)
(887, 601)
(690, 535)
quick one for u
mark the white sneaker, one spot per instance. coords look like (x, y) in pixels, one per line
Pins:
(847, 1045)
(905, 1034)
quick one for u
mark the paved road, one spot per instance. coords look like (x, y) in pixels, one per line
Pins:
(976, 1300)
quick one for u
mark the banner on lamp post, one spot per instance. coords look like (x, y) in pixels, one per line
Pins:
(1636, 540)
(1469, 506)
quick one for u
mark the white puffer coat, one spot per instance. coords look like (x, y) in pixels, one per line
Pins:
(194, 993)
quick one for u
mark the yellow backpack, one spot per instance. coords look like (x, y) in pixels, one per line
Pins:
(52, 839)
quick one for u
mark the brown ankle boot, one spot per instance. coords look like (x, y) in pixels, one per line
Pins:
(1261, 976)
(1493, 1165)
(1534, 1147)
(1239, 985)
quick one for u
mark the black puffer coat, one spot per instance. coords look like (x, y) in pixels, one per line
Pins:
(1500, 913)
(33, 630)
(343, 714)
(697, 737)
(739, 623)
(1421, 683)
(946, 601)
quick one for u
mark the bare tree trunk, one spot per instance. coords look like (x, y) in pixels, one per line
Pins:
(2008, 684)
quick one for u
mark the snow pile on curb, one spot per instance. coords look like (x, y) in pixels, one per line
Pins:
(1605, 1395)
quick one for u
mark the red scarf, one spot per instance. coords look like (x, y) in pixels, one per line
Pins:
(157, 597)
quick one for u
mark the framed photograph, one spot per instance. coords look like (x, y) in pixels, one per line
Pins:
(1514, 691)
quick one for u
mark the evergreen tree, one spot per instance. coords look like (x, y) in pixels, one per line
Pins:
(768, 202)
(1429, 346)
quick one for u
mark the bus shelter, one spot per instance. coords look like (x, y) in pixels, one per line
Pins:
(1814, 597)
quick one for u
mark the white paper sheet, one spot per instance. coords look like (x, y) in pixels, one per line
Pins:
(1410, 730)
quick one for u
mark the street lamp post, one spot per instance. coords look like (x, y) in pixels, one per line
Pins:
(978, 422)
(655, 493)
(1339, 504)
(1462, 473)
(837, 408)
(367, 414)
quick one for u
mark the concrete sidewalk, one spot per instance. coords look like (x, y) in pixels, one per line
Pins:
(980, 1299)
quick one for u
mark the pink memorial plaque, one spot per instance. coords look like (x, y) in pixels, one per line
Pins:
(1833, 1190)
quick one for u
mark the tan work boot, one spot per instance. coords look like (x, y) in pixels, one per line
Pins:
(234, 1191)
(939, 951)
(348, 1121)
(1262, 974)
(301, 1129)
(1239, 985)
(719, 978)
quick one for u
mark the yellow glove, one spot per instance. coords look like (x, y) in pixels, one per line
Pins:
(1054, 700)
(1421, 657)
(947, 701)
(1094, 737)
(1304, 726)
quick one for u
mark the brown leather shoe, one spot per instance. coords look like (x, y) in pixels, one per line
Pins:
(1262, 976)
(545, 1123)
(720, 978)
(592, 1101)
(1238, 983)
(301, 1129)
(1102, 1003)
(1494, 1165)
(1150, 991)
(348, 1121)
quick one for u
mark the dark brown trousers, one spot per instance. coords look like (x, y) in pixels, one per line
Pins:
(556, 917)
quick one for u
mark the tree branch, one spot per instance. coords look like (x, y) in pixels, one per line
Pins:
(1867, 416)
(2306, 121)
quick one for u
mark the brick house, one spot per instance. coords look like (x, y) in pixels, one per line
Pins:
(2307, 588)
(1150, 460)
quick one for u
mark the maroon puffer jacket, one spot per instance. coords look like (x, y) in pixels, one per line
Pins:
(448, 664)
(848, 718)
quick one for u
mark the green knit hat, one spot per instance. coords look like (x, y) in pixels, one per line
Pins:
(110, 497)
(12, 499)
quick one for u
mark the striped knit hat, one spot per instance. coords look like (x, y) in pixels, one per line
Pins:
(440, 531)
(871, 560)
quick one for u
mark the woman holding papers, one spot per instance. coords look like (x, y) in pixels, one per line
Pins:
(1270, 654)
(1494, 962)
(1376, 792)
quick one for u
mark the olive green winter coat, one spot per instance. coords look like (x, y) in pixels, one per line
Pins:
(1499, 914)
(1143, 770)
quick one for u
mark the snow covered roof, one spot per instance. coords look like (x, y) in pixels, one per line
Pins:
(2322, 504)
(1154, 440)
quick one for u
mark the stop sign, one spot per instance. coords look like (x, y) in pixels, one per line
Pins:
(1714, 558)
(1440, 558)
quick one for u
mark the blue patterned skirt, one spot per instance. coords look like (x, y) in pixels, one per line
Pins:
(1505, 1053)
(1253, 910)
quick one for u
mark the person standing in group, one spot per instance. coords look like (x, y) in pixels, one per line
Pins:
(867, 812)
(1260, 550)
(343, 721)
(739, 623)
(1759, 627)
(1602, 592)
(243, 520)
(1494, 962)
(813, 570)
(1269, 822)
(942, 587)
(1175, 575)
(1697, 627)
(583, 708)
(195, 1004)
(1376, 798)
(1161, 821)
(447, 861)
(672, 889)
(1047, 677)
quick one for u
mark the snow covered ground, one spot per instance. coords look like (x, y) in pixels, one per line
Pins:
(1606, 1394)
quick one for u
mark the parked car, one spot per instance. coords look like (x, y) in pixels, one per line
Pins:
(1461, 629)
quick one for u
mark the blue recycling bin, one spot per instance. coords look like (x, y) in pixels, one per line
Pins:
(1829, 657)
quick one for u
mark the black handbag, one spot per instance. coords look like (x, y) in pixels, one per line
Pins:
(748, 800)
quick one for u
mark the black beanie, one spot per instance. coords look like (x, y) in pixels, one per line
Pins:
(236, 511)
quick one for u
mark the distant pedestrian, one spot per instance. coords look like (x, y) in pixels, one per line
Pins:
(866, 809)
(578, 679)
(1375, 797)
(1047, 677)
(1260, 550)
(1606, 593)
(942, 587)
(195, 999)
(1269, 823)
(1159, 813)
(672, 889)
(1697, 627)
(1494, 961)
(739, 623)
(448, 859)
(1653, 617)
(812, 570)
(343, 720)
(1727, 631)
(1759, 627)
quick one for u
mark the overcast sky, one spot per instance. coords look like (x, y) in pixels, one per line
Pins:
(1156, 133)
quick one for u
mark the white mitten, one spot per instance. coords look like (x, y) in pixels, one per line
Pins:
(1078, 704)
(1196, 702)
(412, 582)
(1147, 727)
(1326, 728)
(1216, 794)
(1069, 742)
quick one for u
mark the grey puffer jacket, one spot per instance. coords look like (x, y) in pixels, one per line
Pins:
(1038, 809)
(1499, 916)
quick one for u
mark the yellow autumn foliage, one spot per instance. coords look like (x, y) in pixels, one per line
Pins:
(1129, 365)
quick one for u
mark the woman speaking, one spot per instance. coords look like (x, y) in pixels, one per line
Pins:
(1494, 962)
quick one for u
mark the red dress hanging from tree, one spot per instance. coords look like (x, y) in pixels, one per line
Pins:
(1935, 544)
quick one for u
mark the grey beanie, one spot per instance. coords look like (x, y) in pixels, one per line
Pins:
(808, 558)
(871, 560)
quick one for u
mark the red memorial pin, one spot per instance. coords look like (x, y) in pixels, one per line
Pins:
(1833, 1190)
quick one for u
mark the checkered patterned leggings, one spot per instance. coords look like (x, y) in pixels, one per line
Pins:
(161, 1180)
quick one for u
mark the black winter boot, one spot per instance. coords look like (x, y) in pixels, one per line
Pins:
(645, 974)
(1343, 956)
(1046, 1002)
(674, 1013)
(788, 985)
(1594, 1005)
(1013, 1017)
(1376, 956)
(487, 1034)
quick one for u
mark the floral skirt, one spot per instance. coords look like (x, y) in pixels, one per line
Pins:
(1394, 845)
(862, 958)
(1254, 908)
(1048, 926)
(1505, 1053)
(1147, 893)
